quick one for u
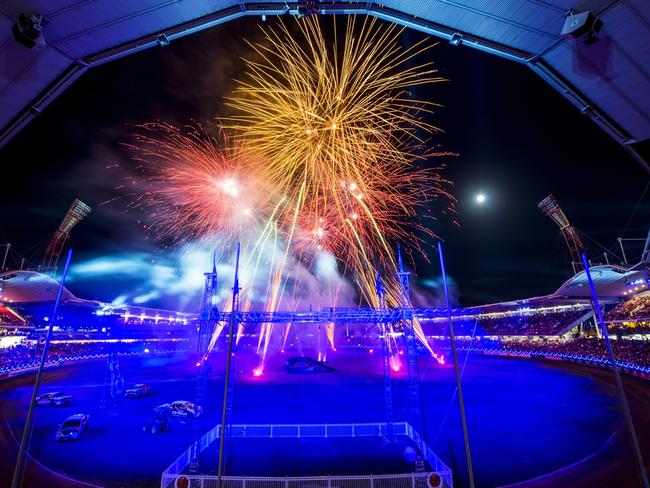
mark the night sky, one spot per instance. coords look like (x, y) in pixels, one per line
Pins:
(517, 141)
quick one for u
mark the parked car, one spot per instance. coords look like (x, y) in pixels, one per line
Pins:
(183, 409)
(137, 390)
(72, 427)
(53, 399)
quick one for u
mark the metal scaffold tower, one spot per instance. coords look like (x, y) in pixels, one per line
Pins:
(207, 324)
(410, 343)
(384, 331)
(209, 313)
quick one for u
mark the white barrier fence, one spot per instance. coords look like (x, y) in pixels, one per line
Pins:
(409, 480)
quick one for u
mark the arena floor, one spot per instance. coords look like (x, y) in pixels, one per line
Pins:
(547, 422)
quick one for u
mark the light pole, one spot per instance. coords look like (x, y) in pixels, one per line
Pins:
(4, 260)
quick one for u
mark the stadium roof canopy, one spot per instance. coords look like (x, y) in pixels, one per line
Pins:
(610, 282)
(608, 80)
(30, 286)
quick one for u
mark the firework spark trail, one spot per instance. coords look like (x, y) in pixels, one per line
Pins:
(345, 125)
(200, 186)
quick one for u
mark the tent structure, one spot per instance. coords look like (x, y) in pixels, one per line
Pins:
(604, 72)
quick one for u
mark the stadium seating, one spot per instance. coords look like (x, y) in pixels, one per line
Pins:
(630, 317)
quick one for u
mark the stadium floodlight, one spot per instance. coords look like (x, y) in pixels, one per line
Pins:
(551, 208)
(76, 213)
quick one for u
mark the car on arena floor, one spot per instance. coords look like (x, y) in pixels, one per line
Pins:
(72, 427)
(137, 390)
(54, 399)
(158, 421)
(182, 408)
(306, 365)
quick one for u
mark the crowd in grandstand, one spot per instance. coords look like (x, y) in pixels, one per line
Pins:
(552, 322)
(630, 317)
(531, 324)
(518, 332)
(633, 309)
(28, 353)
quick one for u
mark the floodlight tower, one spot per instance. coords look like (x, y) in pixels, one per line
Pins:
(75, 214)
(551, 208)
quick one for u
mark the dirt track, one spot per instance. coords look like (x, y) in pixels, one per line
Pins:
(612, 465)
(35, 475)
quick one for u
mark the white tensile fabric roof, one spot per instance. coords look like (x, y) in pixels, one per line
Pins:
(608, 81)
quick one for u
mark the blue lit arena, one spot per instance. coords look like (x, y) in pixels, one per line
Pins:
(516, 362)
(510, 403)
(324, 244)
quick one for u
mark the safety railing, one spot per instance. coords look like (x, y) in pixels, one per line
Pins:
(573, 357)
(379, 429)
(409, 480)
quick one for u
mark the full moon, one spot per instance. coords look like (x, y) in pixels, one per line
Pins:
(480, 198)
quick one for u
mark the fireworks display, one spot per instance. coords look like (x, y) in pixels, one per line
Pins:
(321, 159)
(342, 138)
(196, 185)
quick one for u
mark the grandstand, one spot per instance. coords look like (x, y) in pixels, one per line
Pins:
(631, 316)
(559, 323)
(634, 309)
(556, 323)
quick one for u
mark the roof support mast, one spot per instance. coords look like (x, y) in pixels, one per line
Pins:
(645, 257)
